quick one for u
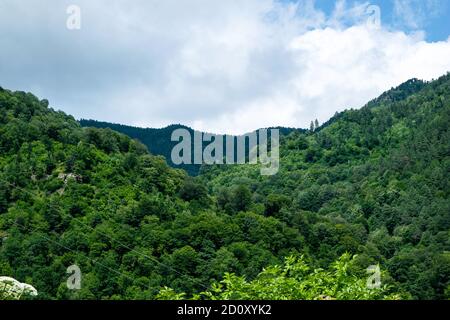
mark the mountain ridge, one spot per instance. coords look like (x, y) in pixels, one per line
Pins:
(370, 188)
(158, 140)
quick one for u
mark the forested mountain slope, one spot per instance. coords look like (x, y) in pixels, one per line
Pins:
(372, 182)
(94, 199)
(158, 140)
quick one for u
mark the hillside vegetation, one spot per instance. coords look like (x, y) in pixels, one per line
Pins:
(158, 141)
(369, 187)
(373, 182)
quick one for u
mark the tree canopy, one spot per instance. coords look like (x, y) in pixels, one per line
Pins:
(368, 187)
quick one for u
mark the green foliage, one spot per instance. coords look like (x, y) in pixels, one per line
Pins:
(372, 182)
(275, 202)
(293, 280)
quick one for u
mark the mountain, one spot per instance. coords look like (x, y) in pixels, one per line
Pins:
(370, 187)
(95, 203)
(373, 182)
(158, 141)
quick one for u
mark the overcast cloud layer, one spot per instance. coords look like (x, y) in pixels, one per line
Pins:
(219, 66)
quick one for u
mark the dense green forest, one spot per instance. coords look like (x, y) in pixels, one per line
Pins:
(158, 140)
(369, 187)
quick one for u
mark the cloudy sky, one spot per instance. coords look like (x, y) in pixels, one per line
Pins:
(220, 66)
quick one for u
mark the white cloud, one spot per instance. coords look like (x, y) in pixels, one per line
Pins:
(220, 66)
